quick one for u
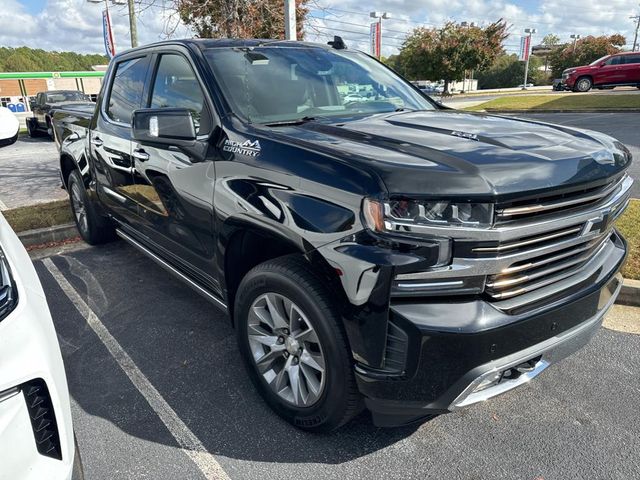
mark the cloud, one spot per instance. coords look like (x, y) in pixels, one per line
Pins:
(75, 25)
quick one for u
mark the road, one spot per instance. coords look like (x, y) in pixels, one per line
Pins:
(623, 126)
(577, 420)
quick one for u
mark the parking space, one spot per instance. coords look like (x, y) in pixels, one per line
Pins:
(29, 171)
(159, 392)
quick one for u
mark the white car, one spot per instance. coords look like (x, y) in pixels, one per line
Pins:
(9, 127)
(36, 434)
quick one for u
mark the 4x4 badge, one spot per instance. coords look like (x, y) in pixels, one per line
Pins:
(248, 148)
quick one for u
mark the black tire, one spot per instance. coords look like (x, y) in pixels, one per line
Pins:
(32, 129)
(93, 227)
(9, 141)
(291, 277)
(583, 84)
(50, 133)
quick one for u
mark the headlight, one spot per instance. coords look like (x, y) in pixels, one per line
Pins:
(8, 292)
(409, 216)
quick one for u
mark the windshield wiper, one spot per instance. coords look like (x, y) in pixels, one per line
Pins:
(296, 121)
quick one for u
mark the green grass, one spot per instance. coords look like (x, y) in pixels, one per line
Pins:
(39, 216)
(574, 102)
(629, 226)
(58, 213)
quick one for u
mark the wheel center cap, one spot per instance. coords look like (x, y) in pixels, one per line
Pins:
(291, 345)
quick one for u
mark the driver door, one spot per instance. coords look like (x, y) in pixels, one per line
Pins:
(174, 191)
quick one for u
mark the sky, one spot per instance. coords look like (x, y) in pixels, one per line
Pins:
(76, 25)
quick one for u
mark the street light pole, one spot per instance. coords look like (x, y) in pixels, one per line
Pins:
(380, 16)
(530, 31)
(290, 28)
(575, 39)
(635, 38)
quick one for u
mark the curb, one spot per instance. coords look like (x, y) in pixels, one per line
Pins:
(629, 293)
(41, 236)
(586, 110)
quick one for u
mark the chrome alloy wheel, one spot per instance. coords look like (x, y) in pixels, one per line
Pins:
(79, 208)
(286, 349)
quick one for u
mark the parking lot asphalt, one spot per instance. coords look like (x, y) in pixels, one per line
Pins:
(29, 172)
(624, 126)
(577, 420)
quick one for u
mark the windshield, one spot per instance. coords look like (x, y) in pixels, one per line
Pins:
(275, 84)
(57, 97)
(595, 62)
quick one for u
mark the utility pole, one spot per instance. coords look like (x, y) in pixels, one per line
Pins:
(530, 31)
(132, 16)
(635, 38)
(133, 27)
(290, 28)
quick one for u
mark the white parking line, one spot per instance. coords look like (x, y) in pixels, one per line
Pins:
(189, 443)
(3, 206)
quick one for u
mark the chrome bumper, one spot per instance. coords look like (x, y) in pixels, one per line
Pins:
(491, 381)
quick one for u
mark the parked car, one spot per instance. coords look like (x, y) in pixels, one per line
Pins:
(44, 105)
(528, 85)
(395, 254)
(9, 127)
(620, 69)
(36, 432)
(557, 85)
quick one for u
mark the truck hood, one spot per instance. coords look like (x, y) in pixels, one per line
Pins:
(454, 153)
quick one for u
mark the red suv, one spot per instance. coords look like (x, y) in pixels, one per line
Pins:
(621, 69)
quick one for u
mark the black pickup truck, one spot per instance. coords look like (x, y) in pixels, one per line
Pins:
(44, 105)
(371, 247)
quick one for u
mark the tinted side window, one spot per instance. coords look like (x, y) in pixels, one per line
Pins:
(126, 89)
(613, 61)
(176, 86)
(631, 59)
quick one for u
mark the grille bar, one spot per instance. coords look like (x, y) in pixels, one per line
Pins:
(580, 199)
(529, 241)
(550, 270)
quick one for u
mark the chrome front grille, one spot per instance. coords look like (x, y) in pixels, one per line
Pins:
(583, 198)
(543, 270)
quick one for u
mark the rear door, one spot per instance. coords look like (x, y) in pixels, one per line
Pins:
(631, 68)
(610, 72)
(110, 139)
(175, 191)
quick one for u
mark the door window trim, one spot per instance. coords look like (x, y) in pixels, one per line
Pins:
(112, 74)
(184, 53)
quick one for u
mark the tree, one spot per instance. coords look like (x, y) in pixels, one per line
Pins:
(586, 51)
(551, 40)
(448, 52)
(239, 18)
(508, 71)
(24, 59)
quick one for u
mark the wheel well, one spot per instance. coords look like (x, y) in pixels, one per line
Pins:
(67, 165)
(585, 76)
(247, 249)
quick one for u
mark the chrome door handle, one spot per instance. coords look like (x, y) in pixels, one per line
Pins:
(96, 142)
(140, 154)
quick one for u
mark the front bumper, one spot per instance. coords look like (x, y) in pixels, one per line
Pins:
(460, 352)
(36, 433)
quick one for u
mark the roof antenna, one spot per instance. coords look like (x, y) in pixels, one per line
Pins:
(337, 43)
